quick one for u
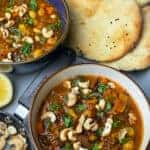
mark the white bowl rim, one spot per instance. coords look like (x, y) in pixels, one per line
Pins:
(43, 82)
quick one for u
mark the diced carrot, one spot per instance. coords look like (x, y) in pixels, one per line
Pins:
(119, 106)
(49, 10)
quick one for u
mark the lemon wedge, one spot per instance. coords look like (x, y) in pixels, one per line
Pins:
(6, 90)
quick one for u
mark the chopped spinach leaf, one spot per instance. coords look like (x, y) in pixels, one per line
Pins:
(67, 147)
(116, 124)
(96, 147)
(100, 114)
(68, 121)
(26, 49)
(99, 132)
(55, 107)
(15, 31)
(28, 20)
(80, 107)
(124, 140)
(10, 2)
(108, 106)
(102, 88)
(42, 39)
(33, 4)
(55, 26)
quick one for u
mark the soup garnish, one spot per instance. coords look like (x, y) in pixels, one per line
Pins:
(29, 29)
(89, 113)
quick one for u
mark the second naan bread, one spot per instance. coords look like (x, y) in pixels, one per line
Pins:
(139, 58)
(143, 2)
(104, 30)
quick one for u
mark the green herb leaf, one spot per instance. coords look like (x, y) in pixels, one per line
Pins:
(124, 140)
(100, 114)
(15, 31)
(68, 121)
(94, 94)
(99, 132)
(54, 107)
(33, 4)
(10, 2)
(55, 26)
(47, 123)
(102, 87)
(116, 124)
(29, 20)
(67, 147)
(80, 107)
(96, 147)
(108, 106)
(26, 49)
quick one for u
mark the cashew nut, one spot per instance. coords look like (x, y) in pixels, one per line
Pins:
(46, 33)
(122, 134)
(84, 85)
(50, 115)
(111, 85)
(63, 134)
(21, 10)
(37, 38)
(132, 118)
(79, 127)
(28, 39)
(3, 128)
(101, 105)
(2, 142)
(67, 84)
(72, 99)
(11, 130)
(77, 146)
(108, 127)
(9, 23)
(18, 141)
(71, 135)
(16, 45)
(90, 124)
(86, 91)
(75, 90)
(5, 32)
(7, 15)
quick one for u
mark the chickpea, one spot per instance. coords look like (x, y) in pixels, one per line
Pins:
(128, 146)
(32, 14)
(37, 53)
(22, 28)
(131, 132)
(52, 41)
(41, 12)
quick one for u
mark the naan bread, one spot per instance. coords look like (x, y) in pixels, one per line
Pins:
(139, 58)
(143, 2)
(104, 30)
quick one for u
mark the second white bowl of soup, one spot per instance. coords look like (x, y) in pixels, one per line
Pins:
(90, 107)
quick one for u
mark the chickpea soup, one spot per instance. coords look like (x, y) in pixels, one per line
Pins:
(29, 29)
(89, 113)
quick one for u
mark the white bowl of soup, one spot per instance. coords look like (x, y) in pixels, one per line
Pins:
(89, 107)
